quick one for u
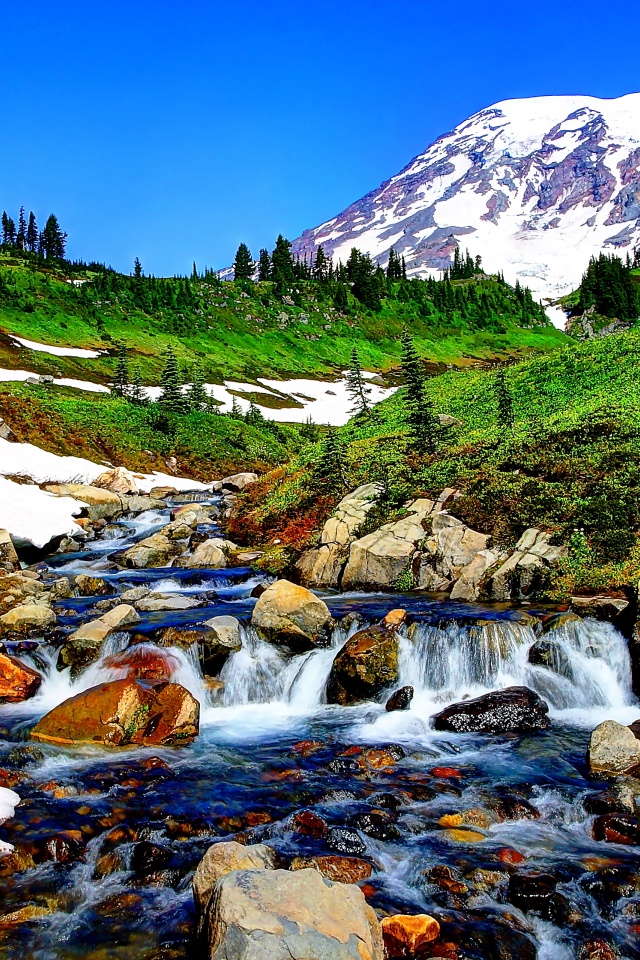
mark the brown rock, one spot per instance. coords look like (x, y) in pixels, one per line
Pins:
(92, 586)
(288, 614)
(143, 662)
(367, 663)
(17, 681)
(122, 713)
(340, 869)
(404, 935)
(26, 619)
(309, 824)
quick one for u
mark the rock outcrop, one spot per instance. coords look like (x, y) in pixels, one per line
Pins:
(123, 713)
(291, 615)
(18, 682)
(101, 504)
(8, 553)
(516, 577)
(367, 664)
(117, 480)
(514, 710)
(613, 749)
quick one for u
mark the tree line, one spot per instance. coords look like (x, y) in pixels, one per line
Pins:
(608, 286)
(50, 242)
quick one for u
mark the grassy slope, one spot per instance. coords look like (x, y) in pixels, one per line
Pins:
(234, 336)
(572, 461)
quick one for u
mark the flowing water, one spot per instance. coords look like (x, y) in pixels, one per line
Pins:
(270, 746)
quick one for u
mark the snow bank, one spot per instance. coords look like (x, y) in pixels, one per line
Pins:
(22, 375)
(56, 351)
(35, 516)
(8, 803)
(26, 460)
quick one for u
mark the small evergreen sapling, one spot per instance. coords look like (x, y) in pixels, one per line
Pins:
(423, 422)
(329, 469)
(504, 400)
(357, 388)
(171, 394)
(121, 380)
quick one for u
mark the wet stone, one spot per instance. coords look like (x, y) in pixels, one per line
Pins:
(147, 856)
(617, 828)
(345, 841)
(309, 824)
(377, 824)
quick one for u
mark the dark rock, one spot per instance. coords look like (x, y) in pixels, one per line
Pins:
(148, 857)
(387, 801)
(258, 590)
(617, 828)
(339, 796)
(343, 765)
(400, 700)
(548, 653)
(345, 841)
(309, 824)
(367, 664)
(598, 950)
(377, 824)
(514, 710)
(533, 893)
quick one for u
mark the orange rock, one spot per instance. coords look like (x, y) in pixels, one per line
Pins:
(450, 820)
(276, 775)
(507, 855)
(306, 747)
(377, 759)
(339, 869)
(352, 751)
(143, 662)
(465, 836)
(254, 818)
(154, 763)
(446, 773)
(17, 681)
(404, 935)
(23, 915)
(394, 619)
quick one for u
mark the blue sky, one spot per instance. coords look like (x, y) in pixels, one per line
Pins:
(172, 131)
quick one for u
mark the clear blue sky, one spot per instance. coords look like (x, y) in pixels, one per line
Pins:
(174, 130)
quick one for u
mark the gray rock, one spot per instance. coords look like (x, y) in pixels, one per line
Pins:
(289, 614)
(613, 748)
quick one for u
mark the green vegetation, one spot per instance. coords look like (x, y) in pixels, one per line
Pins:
(570, 463)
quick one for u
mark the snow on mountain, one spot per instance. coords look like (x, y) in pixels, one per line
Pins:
(534, 186)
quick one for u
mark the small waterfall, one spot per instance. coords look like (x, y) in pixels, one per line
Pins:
(589, 662)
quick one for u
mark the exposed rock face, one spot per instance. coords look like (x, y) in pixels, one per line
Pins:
(26, 619)
(456, 555)
(277, 914)
(118, 480)
(219, 860)
(238, 481)
(8, 551)
(154, 551)
(83, 646)
(209, 553)
(367, 664)
(18, 682)
(613, 748)
(289, 614)
(101, 504)
(123, 713)
(514, 710)
(515, 579)
(322, 567)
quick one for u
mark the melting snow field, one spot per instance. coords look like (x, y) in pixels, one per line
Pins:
(22, 375)
(57, 351)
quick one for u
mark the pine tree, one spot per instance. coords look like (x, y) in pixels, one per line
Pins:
(341, 298)
(357, 388)
(121, 380)
(137, 392)
(504, 400)
(21, 236)
(309, 430)
(52, 239)
(171, 395)
(320, 266)
(236, 410)
(197, 396)
(329, 469)
(137, 268)
(264, 266)
(254, 415)
(282, 266)
(32, 233)
(422, 419)
(8, 230)
(243, 265)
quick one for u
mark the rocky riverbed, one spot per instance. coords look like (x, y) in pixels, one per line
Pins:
(160, 698)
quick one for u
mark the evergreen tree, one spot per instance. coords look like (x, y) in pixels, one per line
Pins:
(341, 298)
(8, 230)
(21, 236)
(171, 394)
(423, 422)
(282, 266)
(254, 415)
(504, 400)
(357, 388)
(329, 469)
(321, 266)
(32, 233)
(121, 380)
(137, 268)
(197, 396)
(264, 266)
(243, 265)
(236, 410)
(52, 239)
(137, 393)
(309, 430)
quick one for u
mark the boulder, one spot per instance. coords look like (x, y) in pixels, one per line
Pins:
(154, 551)
(7, 550)
(238, 481)
(117, 480)
(18, 682)
(322, 566)
(467, 586)
(406, 935)
(400, 700)
(608, 609)
(514, 710)
(219, 860)
(341, 869)
(209, 553)
(143, 661)
(289, 614)
(140, 504)
(92, 586)
(516, 577)
(101, 504)
(613, 748)
(221, 640)
(159, 601)
(123, 713)
(83, 646)
(26, 619)
(367, 663)
(278, 914)
(546, 652)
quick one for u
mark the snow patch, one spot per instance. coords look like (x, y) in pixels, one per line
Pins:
(35, 516)
(57, 351)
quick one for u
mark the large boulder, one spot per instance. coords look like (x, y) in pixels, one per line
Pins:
(455, 554)
(367, 664)
(26, 619)
(117, 480)
(322, 566)
(210, 553)
(514, 710)
(219, 860)
(101, 504)
(289, 614)
(8, 551)
(123, 713)
(613, 749)
(238, 481)
(84, 645)
(18, 682)
(278, 914)
(154, 551)
(516, 577)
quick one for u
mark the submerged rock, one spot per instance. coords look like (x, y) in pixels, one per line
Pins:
(617, 828)
(154, 551)
(613, 748)
(547, 653)
(18, 682)
(92, 586)
(367, 663)
(123, 713)
(288, 614)
(404, 935)
(277, 914)
(514, 710)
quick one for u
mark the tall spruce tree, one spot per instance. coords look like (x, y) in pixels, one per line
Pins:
(264, 266)
(121, 380)
(32, 233)
(171, 394)
(423, 422)
(52, 240)
(21, 236)
(282, 266)
(197, 397)
(357, 388)
(320, 265)
(329, 468)
(137, 393)
(8, 230)
(504, 400)
(243, 265)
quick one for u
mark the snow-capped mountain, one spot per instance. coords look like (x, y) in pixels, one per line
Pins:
(534, 186)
